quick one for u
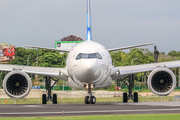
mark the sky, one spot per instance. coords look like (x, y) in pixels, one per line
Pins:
(115, 23)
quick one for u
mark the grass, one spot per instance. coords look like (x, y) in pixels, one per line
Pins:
(144, 90)
(178, 90)
(81, 100)
(104, 117)
(117, 99)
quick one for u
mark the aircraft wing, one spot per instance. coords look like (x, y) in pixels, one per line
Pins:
(128, 47)
(60, 73)
(62, 50)
(126, 70)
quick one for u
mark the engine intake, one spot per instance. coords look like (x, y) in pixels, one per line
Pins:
(162, 81)
(17, 84)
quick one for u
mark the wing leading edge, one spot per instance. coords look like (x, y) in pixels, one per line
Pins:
(126, 70)
(60, 73)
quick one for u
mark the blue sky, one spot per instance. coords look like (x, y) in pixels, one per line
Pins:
(115, 23)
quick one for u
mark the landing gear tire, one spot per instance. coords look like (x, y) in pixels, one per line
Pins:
(54, 99)
(44, 99)
(87, 100)
(135, 97)
(92, 100)
(124, 97)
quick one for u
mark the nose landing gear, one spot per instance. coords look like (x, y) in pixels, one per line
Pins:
(90, 99)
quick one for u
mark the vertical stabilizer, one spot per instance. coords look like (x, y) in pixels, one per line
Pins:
(89, 34)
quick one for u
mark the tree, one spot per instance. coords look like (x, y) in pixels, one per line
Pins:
(174, 53)
(163, 57)
(120, 58)
(22, 55)
(72, 38)
(52, 59)
(142, 57)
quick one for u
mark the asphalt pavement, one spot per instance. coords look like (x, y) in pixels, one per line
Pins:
(90, 109)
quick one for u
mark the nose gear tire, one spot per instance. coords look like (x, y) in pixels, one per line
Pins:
(92, 100)
(87, 100)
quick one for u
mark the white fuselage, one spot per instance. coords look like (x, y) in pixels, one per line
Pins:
(89, 63)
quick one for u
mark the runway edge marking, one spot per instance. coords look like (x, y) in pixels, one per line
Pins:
(76, 112)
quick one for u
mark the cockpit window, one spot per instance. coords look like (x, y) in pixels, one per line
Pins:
(98, 56)
(88, 56)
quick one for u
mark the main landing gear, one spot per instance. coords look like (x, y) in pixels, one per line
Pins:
(90, 99)
(129, 96)
(49, 97)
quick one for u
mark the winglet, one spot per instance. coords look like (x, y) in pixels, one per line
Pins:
(89, 34)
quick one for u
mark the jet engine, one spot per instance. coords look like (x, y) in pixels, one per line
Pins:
(17, 84)
(161, 81)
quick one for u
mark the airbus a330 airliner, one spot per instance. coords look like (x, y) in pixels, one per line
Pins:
(89, 65)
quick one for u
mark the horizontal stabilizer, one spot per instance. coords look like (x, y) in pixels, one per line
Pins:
(128, 47)
(46, 48)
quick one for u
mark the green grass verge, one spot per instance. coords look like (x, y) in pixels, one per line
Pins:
(144, 90)
(104, 117)
(177, 90)
(81, 100)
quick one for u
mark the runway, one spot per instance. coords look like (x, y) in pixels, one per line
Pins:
(83, 109)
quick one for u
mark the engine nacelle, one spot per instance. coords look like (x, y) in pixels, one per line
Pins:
(161, 81)
(17, 84)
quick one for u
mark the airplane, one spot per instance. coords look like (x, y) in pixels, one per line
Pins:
(88, 66)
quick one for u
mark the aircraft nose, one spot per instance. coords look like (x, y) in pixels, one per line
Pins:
(87, 70)
(87, 65)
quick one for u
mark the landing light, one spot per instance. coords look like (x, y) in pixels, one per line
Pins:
(117, 73)
(91, 86)
(61, 73)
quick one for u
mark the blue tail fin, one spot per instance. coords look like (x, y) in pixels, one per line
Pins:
(89, 34)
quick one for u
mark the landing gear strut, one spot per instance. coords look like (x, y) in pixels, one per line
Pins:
(90, 99)
(49, 93)
(130, 94)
